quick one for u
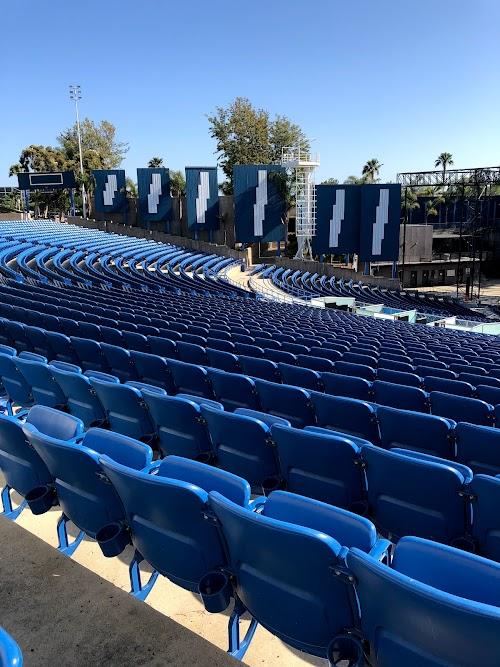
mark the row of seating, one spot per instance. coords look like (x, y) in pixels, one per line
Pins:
(282, 558)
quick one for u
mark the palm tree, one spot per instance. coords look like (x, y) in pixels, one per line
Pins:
(155, 162)
(444, 160)
(370, 170)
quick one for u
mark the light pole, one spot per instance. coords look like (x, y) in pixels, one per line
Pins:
(75, 93)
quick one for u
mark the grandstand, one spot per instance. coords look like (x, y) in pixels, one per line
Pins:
(335, 478)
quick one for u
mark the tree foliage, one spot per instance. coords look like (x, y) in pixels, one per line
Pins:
(177, 183)
(155, 163)
(247, 135)
(371, 171)
(330, 181)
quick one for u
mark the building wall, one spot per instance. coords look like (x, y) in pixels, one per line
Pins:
(415, 244)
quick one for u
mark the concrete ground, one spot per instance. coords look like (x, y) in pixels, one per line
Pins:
(176, 603)
(490, 290)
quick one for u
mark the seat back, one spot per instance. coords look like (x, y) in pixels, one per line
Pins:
(285, 401)
(119, 362)
(459, 408)
(321, 466)
(190, 379)
(400, 396)
(479, 448)
(398, 377)
(17, 388)
(89, 354)
(346, 385)
(469, 629)
(486, 522)
(241, 445)
(264, 369)
(234, 390)
(456, 387)
(267, 558)
(153, 369)
(348, 415)
(40, 378)
(80, 397)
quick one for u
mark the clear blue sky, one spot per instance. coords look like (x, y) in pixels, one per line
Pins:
(398, 80)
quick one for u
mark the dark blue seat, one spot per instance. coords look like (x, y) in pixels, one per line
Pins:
(400, 396)
(178, 542)
(478, 447)
(39, 341)
(125, 409)
(416, 494)
(190, 379)
(267, 552)
(435, 372)
(348, 415)
(286, 401)
(164, 347)
(69, 327)
(454, 591)
(280, 356)
(179, 426)
(194, 339)
(398, 377)
(363, 359)
(120, 362)
(315, 363)
(241, 445)
(268, 419)
(486, 522)
(136, 341)
(416, 431)
(225, 361)
(295, 348)
(456, 387)
(62, 347)
(346, 385)
(476, 380)
(152, 369)
(321, 466)
(89, 330)
(21, 466)
(467, 368)
(326, 353)
(44, 388)
(488, 394)
(17, 388)
(191, 353)
(260, 368)
(18, 335)
(220, 344)
(112, 336)
(248, 350)
(357, 370)
(459, 408)
(84, 493)
(300, 377)
(80, 398)
(89, 353)
(393, 365)
(234, 390)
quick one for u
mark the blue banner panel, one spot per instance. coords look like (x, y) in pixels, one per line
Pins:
(202, 198)
(259, 204)
(110, 193)
(338, 215)
(57, 180)
(380, 221)
(153, 191)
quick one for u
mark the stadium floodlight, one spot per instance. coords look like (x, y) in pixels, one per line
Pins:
(75, 93)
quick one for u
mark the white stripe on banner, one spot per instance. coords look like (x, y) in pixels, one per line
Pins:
(260, 203)
(381, 219)
(202, 198)
(110, 189)
(154, 193)
(337, 219)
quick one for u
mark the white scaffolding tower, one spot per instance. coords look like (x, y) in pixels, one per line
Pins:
(303, 163)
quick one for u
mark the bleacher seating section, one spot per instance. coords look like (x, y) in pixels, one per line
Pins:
(327, 473)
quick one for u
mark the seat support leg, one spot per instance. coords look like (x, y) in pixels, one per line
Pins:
(137, 589)
(8, 510)
(65, 546)
(237, 647)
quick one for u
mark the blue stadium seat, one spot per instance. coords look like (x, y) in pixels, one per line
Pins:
(398, 377)
(84, 493)
(293, 530)
(435, 372)
(179, 425)
(191, 353)
(10, 653)
(164, 347)
(315, 363)
(400, 396)
(260, 368)
(356, 370)
(392, 365)
(456, 387)
(119, 362)
(321, 466)
(13, 381)
(125, 409)
(454, 591)
(268, 419)
(478, 447)
(233, 390)
(348, 415)
(44, 388)
(190, 379)
(21, 466)
(363, 359)
(89, 353)
(463, 368)
(220, 344)
(326, 353)
(286, 401)
(280, 356)
(18, 335)
(476, 380)
(416, 431)
(241, 445)
(415, 494)
(463, 409)
(346, 385)
(300, 377)
(80, 397)
(486, 522)
(225, 361)
(178, 542)
(488, 394)
(39, 341)
(62, 347)
(153, 369)
(112, 336)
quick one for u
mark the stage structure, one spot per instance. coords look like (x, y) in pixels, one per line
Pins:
(259, 203)
(153, 193)
(469, 186)
(302, 165)
(110, 194)
(338, 216)
(46, 182)
(380, 223)
(202, 199)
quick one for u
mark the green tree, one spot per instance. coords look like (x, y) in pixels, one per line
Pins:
(11, 201)
(98, 138)
(353, 180)
(247, 135)
(131, 187)
(371, 171)
(177, 183)
(155, 162)
(330, 181)
(444, 160)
